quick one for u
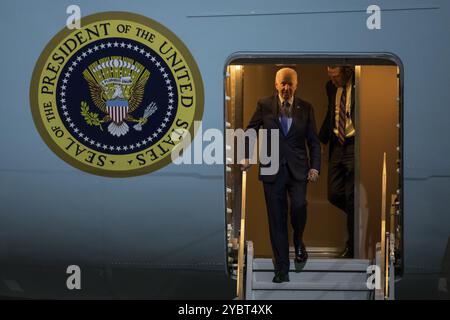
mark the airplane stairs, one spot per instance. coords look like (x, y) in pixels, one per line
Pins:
(317, 279)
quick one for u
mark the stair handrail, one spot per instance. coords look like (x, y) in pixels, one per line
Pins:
(240, 270)
(387, 257)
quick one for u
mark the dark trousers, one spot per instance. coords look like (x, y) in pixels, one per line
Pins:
(341, 182)
(277, 207)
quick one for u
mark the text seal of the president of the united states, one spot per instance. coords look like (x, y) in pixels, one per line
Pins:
(111, 97)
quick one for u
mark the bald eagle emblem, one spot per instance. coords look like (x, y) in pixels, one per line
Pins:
(116, 86)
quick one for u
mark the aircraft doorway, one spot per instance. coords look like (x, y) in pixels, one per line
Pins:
(378, 119)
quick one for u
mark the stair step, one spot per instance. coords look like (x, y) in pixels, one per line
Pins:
(321, 252)
(313, 281)
(326, 286)
(317, 279)
(310, 295)
(316, 265)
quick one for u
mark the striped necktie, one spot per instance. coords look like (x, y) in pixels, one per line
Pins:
(342, 116)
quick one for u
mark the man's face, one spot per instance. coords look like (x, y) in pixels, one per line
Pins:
(286, 84)
(337, 76)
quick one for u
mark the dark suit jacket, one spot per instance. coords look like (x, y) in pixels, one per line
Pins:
(302, 135)
(326, 133)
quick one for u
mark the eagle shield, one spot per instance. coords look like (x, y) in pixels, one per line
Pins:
(116, 85)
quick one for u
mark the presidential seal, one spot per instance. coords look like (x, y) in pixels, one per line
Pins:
(109, 98)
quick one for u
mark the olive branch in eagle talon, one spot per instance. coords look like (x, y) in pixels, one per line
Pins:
(91, 118)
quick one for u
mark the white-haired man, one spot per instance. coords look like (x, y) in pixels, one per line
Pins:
(294, 118)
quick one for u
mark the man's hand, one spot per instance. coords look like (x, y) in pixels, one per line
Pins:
(244, 164)
(313, 175)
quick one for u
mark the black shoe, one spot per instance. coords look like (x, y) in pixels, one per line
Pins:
(280, 277)
(347, 253)
(301, 255)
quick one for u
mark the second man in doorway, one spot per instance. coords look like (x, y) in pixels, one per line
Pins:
(338, 131)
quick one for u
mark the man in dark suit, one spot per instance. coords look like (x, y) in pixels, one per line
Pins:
(338, 130)
(293, 118)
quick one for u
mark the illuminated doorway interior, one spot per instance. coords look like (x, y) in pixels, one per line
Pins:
(378, 119)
